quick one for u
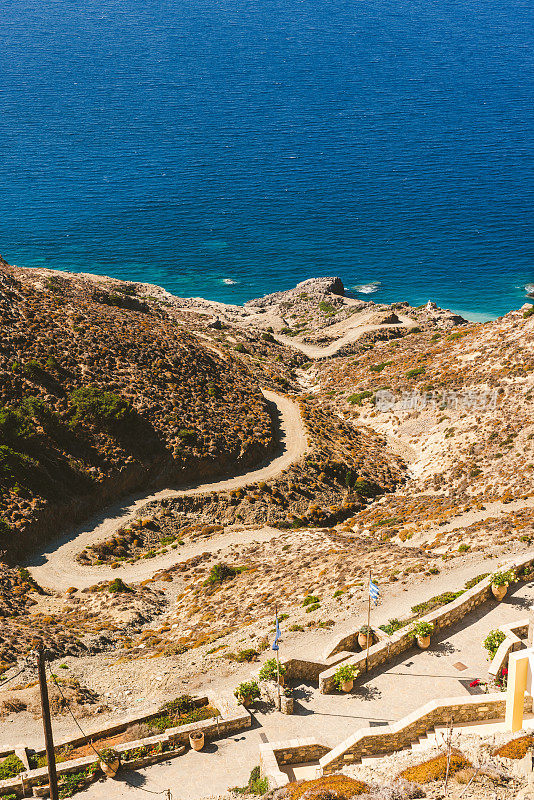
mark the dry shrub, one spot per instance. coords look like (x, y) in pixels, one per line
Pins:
(329, 787)
(139, 730)
(435, 768)
(515, 748)
(464, 775)
(13, 705)
(398, 790)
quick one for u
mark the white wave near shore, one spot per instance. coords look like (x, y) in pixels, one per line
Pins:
(366, 288)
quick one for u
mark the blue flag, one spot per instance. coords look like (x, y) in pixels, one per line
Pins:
(278, 635)
(374, 591)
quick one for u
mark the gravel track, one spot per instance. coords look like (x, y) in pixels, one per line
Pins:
(58, 569)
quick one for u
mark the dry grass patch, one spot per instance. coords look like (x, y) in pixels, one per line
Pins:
(339, 786)
(436, 768)
(515, 748)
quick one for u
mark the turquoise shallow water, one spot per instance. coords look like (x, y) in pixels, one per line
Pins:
(228, 149)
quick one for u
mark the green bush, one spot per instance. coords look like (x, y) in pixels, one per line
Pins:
(392, 625)
(220, 573)
(248, 690)
(268, 671)
(380, 367)
(436, 602)
(502, 577)
(327, 308)
(422, 629)
(528, 312)
(358, 398)
(345, 672)
(94, 403)
(10, 767)
(473, 581)
(249, 654)
(413, 373)
(256, 785)
(311, 600)
(118, 585)
(366, 488)
(493, 641)
(187, 436)
(15, 425)
(179, 706)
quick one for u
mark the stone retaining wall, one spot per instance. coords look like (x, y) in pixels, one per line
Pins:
(292, 751)
(516, 639)
(401, 734)
(300, 669)
(174, 738)
(402, 640)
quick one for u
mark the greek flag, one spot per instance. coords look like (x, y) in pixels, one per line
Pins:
(374, 591)
(278, 635)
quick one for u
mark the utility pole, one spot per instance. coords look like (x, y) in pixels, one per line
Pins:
(47, 725)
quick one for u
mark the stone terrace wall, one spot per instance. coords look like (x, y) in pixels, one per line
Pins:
(401, 734)
(293, 751)
(402, 640)
(174, 739)
(304, 670)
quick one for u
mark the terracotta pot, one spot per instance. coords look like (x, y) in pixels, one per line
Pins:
(110, 769)
(196, 740)
(246, 701)
(347, 686)
(499, 591)
(423, 642)
(281, 680)
(362, 640)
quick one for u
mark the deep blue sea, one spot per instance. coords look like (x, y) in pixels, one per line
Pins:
(234, 147)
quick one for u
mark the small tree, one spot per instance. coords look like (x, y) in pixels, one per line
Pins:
(248, 690)
(268, 671)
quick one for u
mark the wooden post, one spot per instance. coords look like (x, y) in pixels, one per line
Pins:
(47, 726)
(368, 623)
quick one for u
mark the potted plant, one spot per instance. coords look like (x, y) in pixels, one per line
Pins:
(271, 669)
(500, 581)
(344, 677)
(286, 701)
(109, 761)
(247, 692)
(422, 631)
(196, 740)
(365, 635)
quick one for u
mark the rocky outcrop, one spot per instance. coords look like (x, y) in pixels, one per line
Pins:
(313, 288)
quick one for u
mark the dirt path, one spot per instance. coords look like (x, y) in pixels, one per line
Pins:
(496, 509)
(58, 569)
(353, 332)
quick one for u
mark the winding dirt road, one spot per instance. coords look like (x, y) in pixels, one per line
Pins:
(58, 569)
(352, 330)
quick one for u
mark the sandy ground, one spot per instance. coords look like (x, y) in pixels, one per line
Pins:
(58, 569)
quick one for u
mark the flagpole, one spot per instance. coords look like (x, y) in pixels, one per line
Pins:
(277, 651)
(368, 623)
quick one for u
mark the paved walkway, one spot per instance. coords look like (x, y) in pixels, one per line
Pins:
(455, 659)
